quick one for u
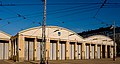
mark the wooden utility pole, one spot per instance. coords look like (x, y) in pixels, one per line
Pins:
(43, 44)
(114, 55)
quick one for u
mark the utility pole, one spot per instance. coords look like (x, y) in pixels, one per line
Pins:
(114, 58)
(43, 44)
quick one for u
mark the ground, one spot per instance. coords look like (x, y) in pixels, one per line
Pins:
(90, 61)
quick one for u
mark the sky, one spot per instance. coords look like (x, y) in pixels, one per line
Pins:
(76, 15)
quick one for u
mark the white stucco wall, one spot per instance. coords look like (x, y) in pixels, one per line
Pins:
(4, 35)
(52, 33)
(100, 39)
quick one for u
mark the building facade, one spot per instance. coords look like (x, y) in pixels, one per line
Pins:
(4, 46)
(107, 31)
(61, 44)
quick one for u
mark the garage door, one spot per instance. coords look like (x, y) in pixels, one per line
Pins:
(38, 49)
(98, 52)
(87, 51)
(1, 50)
(52, 50)
(79, 51)
(62, 50)
(72, 45)
(4, 51)
(29, 50)
(93, 51)
(103, 51)
(26, 50)
(108, 51)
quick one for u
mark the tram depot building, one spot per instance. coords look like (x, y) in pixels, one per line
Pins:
(61, 44)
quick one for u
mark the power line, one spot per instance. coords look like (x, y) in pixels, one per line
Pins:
(86, 8)
(111, 6)
(100, 8)
(55, 4)
(76, 9)
(68, 10)
(48, 12)
(82, 9)
(77, 12)
(52, 11)
(73, 7)
(18, 14)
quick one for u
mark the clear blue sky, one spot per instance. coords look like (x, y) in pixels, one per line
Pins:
(76, 15)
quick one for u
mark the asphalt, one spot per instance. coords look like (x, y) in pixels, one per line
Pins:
(89, 61)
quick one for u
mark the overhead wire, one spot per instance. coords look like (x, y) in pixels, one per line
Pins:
(82, 9)
(79, 12)
(55, 3)
(63, 9)
(51, 11)
(76, 12)
(77, 9)
(11, 11)
(54, 13)
(20, 21)
(41, 12)
(100, 8)
(112, 6)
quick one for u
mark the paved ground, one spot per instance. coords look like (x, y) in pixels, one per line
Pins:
(90, 61)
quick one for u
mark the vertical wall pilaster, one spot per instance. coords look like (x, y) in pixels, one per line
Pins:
(96, 51)
(90, 52)
(105, 51)
(58, 50)
(67, 50)
(35, 48)
(11, 49)
(110, 51)
(17, 49)
(101, 51)
(47, 49)
(83, 50)
(115, 49)
(21, 43)
(75, 53)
